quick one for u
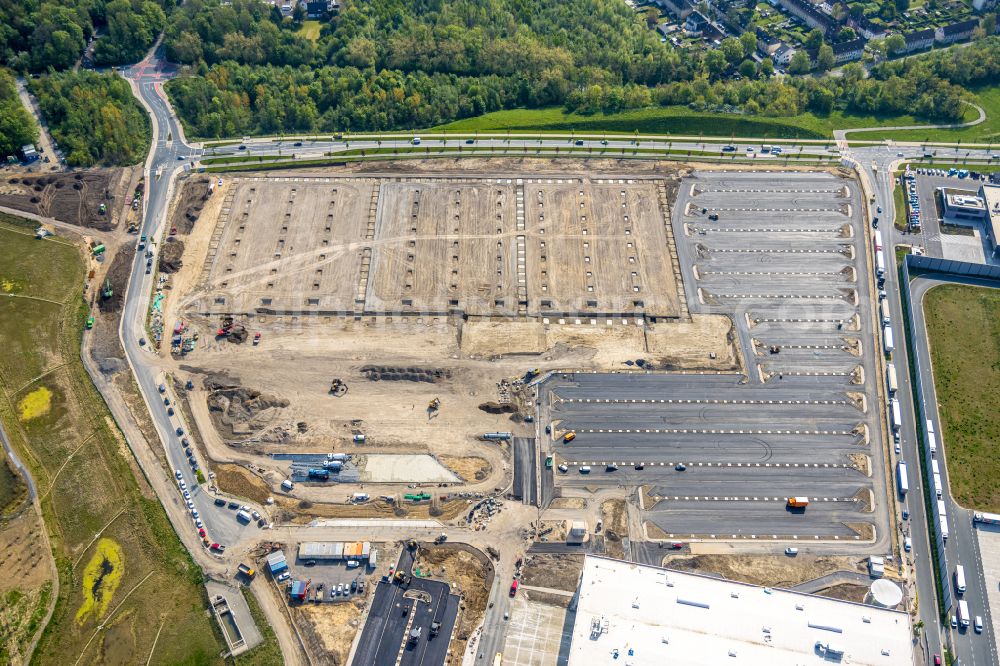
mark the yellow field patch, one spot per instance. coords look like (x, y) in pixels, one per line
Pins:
(101, 578)
(35, 404)
(7, 285)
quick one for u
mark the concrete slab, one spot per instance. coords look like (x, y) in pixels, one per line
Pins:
(538, 634)
(241, 619)
(392, 468)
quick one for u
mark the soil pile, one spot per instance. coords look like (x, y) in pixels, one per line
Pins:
(240, 412)
(170, 255)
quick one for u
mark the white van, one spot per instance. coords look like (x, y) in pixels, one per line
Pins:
(585, 469)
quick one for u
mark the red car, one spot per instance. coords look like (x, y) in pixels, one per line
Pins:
(218, 547)
(513, 588)
(676, 545)
(937, 660)
(201, 532)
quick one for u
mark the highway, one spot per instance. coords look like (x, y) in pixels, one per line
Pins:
(963, 545)
(875, 168)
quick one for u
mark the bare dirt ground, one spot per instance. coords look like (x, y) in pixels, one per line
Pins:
(559, 572)
(26, 589)
(774, 570)
(329, 629)
(472, 468)
(23, 558)
(240, 482)
(471, 575)
(856, 593)
(615, 517)
(691, 345)
(73, 197)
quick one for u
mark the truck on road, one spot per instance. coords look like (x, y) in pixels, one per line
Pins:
(890, 379)
(887, 342)
(897, 416)
(901, 480)
(963, 613)
(986, 518)
(798, 502)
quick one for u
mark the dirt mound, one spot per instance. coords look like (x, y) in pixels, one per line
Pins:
(390, 373)
(117, 275)
(240, 412)
(497, 408)
(193, 196)
(170, 255)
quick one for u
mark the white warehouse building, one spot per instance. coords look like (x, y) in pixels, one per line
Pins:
(629, 614)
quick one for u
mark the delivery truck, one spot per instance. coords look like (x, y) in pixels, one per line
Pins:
(901, 479)
(798, 502)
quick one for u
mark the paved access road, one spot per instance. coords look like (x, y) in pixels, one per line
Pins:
(399, 609)
(162, 165)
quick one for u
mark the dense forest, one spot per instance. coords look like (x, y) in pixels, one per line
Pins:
(38, 34)
(388, 64)
(17, 127)
(93, 117)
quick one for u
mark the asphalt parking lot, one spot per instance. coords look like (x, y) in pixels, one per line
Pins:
(329, 574)
(787, 260)
(396, 611)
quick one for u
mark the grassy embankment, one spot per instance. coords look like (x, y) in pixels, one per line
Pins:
(963, 326)
(128, 590)
(681, 120)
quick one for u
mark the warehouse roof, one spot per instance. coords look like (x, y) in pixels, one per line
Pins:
(636, 614)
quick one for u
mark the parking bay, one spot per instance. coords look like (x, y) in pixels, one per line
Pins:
(787, 261)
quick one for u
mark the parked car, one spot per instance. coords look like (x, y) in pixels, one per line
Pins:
(283, 576)
(791, 551)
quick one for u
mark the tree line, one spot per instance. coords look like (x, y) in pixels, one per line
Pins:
(93, 117)
(17, 127)
(36, 35)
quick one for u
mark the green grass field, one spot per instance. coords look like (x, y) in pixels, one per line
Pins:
(310, 30)
(986, 132)
(86, 479)
(963, 325)
(681, 120)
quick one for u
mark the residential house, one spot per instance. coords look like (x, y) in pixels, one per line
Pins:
(807, 12)
(679, 9)
(956, 32)
(695, 24)
(867, 28)
(766, 44)
(849, 51)
(316, 9)
(918, 41)
(782, 56)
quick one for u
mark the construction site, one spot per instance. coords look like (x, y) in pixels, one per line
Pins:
(400, 317)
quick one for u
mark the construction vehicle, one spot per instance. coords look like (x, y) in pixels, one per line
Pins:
(411, 544)
(338, 387)
(441, 538)
(415, 634)
(98, 249)
(246, 571)
(102, 209)
(108, 291)
(798, 502)
(90, 322)
(256, 338)
(569, 437)
(319, 474)
(435, 628)
(530, 374)
(434, 405)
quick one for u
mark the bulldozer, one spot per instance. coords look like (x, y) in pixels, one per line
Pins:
(338, 387)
